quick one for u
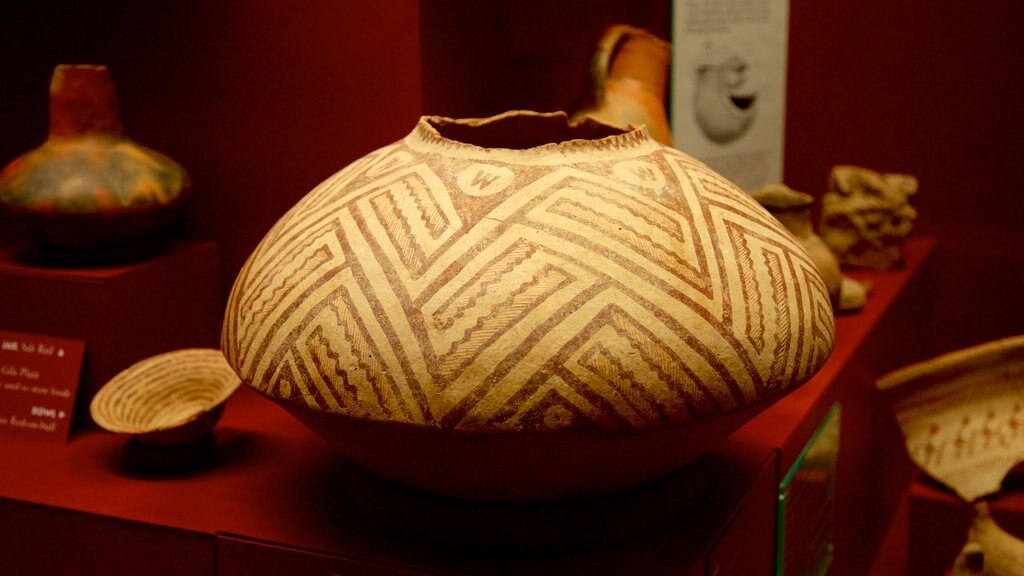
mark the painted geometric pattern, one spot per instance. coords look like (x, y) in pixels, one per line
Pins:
(457, 293)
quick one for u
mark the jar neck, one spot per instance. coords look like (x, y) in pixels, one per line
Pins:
(83, 101)
(642, 59)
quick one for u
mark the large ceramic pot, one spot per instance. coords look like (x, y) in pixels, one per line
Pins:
(88, 189)
(520, 308)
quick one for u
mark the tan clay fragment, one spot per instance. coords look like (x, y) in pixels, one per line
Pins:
(865, 216)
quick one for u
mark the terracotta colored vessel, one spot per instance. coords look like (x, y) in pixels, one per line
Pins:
(168, 399)
(627, 81)
(88, 187)
(520, 308)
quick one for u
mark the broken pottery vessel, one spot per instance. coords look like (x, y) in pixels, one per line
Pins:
(865, 216)
(962, 414)
(521, 308)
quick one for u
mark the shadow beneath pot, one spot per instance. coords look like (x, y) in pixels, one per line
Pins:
(41, 256)
(525, 528)
(205, 454)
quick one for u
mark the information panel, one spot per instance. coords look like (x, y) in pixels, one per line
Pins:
(729, 86)
(39, 378)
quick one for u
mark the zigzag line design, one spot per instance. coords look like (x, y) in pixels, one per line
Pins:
(313, 209)
(799, 366)
(256, 349)
(642, 244)
(304, 216)
(780, 295)
(404, 244)
(399, 231)
(318, 395)
(417, 399)
(460, 407)
(367, 359)
(518, 304)
(253, 314)
(604, 414)
(723, 329)
(328, 367)
(748, 208)
(306, 231)
(261, 304)
(669, 367)
(728, 305)
(753, 307)
(423, 210)
(599, 360)
(670, 226)
(327, 190)
(570, 232)
(456, 306)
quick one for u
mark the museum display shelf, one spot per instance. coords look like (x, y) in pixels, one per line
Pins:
(276, 499)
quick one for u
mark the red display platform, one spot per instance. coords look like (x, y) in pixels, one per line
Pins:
(275, 499)
(124, 313)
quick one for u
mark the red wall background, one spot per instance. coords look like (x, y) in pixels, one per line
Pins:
(262, 100)
(259, 100)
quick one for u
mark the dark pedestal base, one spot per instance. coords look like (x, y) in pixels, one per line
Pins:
(526, 527)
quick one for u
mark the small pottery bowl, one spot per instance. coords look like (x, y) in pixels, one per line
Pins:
(168, 399)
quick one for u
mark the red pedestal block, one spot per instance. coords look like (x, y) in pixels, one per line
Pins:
(123, 313)
(39, 540)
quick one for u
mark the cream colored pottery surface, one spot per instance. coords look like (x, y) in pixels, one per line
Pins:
(164, 391)
(612, 284)
(963, 414)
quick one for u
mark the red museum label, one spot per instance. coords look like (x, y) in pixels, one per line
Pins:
(39, 378)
